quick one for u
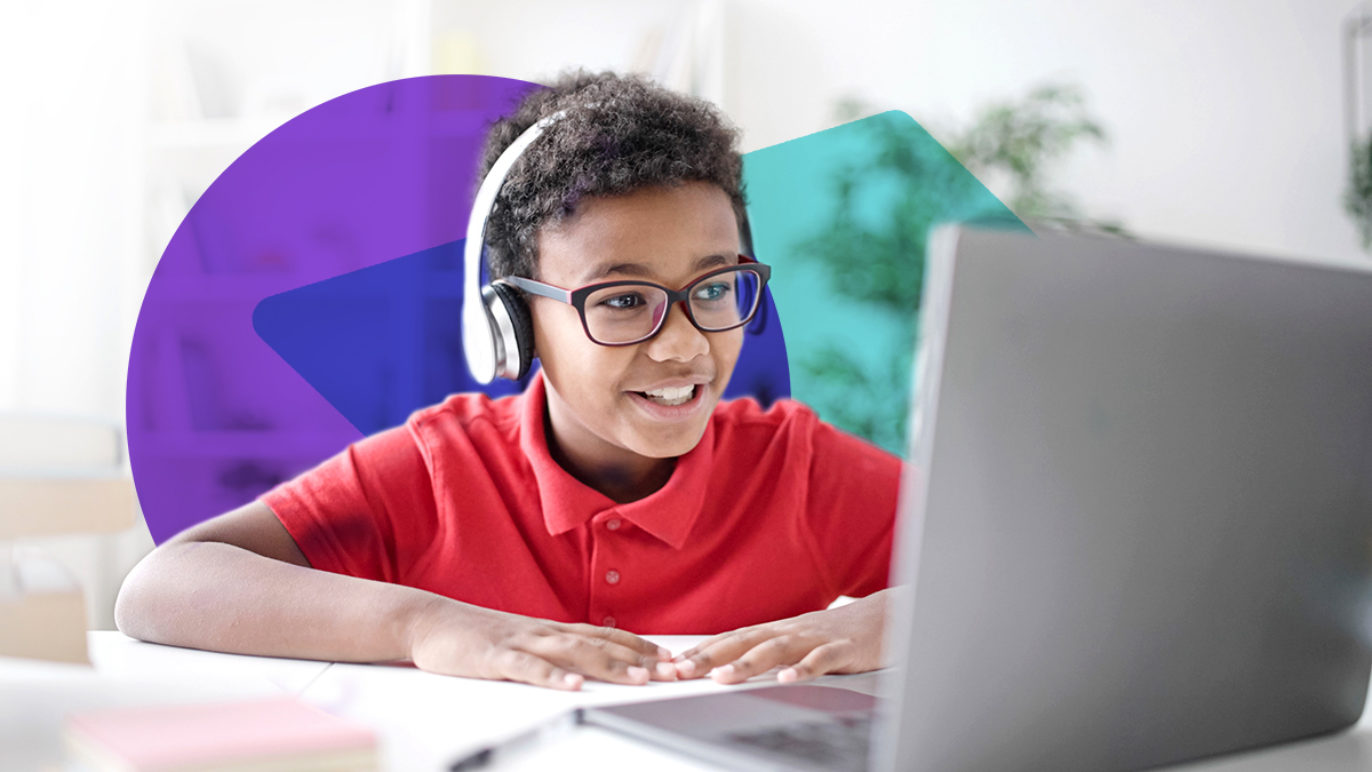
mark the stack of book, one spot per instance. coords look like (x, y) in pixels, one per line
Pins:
(42, 610)
(58, 476)
(268, 735)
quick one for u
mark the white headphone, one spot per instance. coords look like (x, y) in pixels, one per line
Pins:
(497, 332)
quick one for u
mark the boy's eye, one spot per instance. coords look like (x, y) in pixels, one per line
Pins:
(623, 301)
(713, 292)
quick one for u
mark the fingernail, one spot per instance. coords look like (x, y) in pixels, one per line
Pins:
(666, 670)
(572, 679)
(664, 653)
(686, 667)
(638, 673)
(723, 671)
(788, 675)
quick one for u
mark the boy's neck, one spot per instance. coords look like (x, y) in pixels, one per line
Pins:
(620, 474)
(621, 484)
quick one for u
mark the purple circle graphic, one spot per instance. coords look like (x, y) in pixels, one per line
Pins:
(215, 416)
(313, 296)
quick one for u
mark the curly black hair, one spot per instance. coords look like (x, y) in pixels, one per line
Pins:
(621, 133)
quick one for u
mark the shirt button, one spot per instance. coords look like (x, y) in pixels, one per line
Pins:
(608, 621)
(612, 576)
(612, 525)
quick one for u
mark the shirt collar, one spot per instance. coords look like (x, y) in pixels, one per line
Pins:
(568, 503)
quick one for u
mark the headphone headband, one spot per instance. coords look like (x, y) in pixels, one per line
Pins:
(483, 341)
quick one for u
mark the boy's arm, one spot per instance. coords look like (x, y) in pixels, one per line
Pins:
(239, 583)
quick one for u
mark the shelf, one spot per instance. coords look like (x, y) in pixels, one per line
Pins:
(40, 505)
(241, 288)
(240, 444)
(212, 134)
(238, 134)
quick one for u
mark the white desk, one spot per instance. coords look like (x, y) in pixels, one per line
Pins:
(36, 696)
(430, 721)
(427, 721)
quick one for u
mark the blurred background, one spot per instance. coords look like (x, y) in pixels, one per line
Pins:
(1233, 124)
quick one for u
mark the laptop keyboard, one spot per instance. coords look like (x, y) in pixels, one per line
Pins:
(839, 744)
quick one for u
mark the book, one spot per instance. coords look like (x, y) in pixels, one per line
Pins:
(268, 735)
(42, 610)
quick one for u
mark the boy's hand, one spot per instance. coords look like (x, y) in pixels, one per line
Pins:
(458, 639)
(846, 639)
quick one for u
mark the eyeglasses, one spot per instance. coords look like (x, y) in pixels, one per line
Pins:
(621, 313)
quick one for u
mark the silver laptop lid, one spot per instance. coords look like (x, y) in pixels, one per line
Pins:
(1142, 525)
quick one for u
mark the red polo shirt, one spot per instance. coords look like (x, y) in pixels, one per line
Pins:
(772, 514)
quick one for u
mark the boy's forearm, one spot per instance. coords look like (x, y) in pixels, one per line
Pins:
(210, 595)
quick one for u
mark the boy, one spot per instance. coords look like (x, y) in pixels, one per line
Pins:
(522, 538)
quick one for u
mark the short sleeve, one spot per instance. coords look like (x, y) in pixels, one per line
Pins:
(852, 509)
(348, 514)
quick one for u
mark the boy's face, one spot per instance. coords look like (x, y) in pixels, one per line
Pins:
(598, 413)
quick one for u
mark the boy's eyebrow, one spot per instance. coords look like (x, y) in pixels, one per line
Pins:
(643, 271)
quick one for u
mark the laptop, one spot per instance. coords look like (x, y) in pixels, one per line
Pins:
(1140, 532)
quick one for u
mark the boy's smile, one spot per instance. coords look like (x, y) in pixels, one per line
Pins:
(618, 416)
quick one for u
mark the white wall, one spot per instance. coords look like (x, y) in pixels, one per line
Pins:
(1226, 116)
(72, 79)
(71, 275)
(1226, 120)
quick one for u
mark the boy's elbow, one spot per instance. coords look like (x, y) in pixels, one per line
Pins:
(125, 619)
(135, 605)
(128, 616)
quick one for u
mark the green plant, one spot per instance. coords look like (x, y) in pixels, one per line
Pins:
(1022, 140)
(1357, 197)
(887, 197)
(896, 185)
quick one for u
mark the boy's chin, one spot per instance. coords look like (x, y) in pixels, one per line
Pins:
(678, 442)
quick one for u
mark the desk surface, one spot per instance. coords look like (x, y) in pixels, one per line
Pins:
(426, 721)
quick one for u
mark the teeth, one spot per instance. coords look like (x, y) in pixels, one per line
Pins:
(670, 397)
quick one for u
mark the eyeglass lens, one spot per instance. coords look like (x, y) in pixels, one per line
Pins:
(630, 312)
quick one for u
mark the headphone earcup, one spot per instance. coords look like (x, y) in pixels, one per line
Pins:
(514, 329)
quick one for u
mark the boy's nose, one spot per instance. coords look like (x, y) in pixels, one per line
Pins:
(678, 339)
